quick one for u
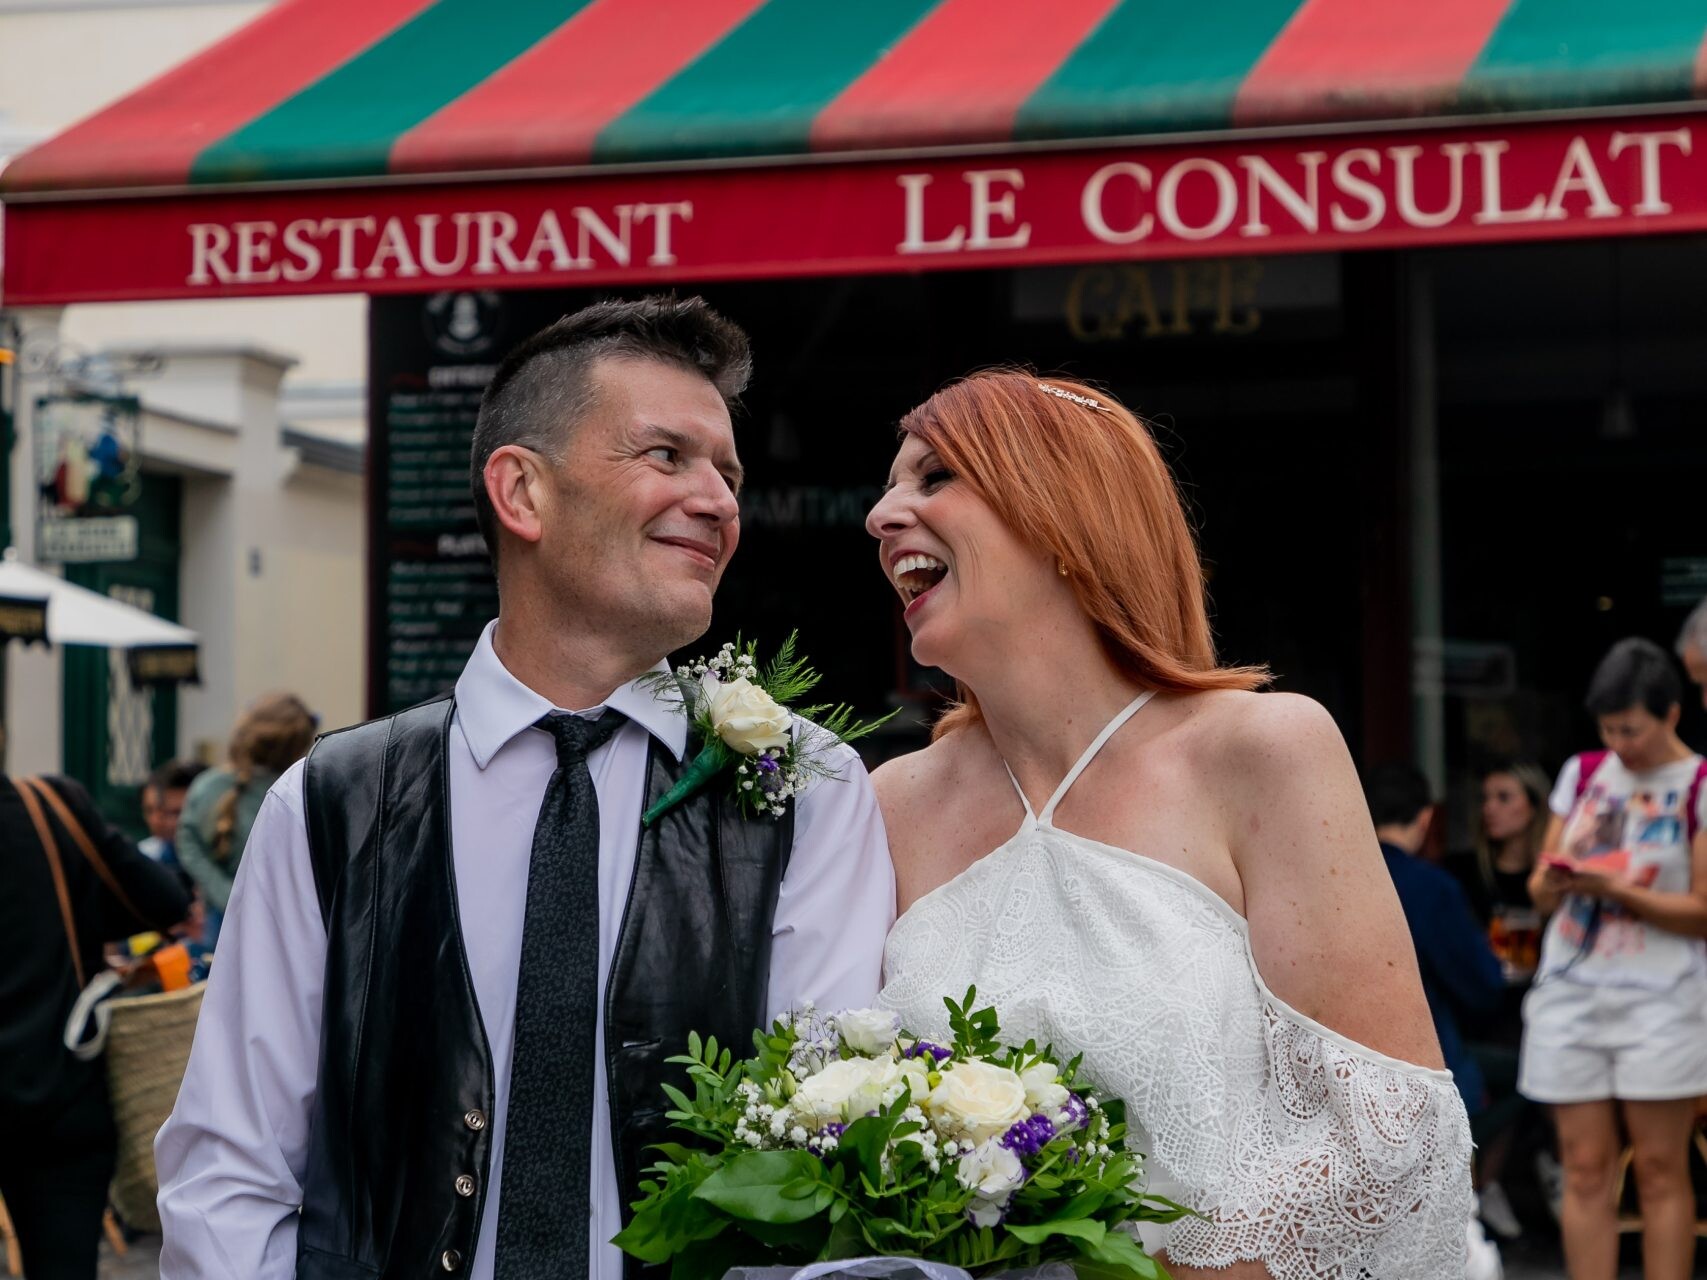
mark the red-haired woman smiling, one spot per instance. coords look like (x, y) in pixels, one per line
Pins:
(1192, 896)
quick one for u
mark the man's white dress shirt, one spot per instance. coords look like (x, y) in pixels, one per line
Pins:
(232, 1156)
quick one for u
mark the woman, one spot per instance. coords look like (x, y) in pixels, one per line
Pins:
(1180, 894)
(272, 734)
(1616, 1024)
(1511, 829)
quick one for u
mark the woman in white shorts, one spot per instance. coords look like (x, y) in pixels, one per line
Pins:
(1617, 1019)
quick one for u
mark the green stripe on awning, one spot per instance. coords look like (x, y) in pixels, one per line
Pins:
(343, 124)
(1152, 67)
(1568, 53)
(758, 90)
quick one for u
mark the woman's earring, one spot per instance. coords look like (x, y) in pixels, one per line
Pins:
(1061, 567)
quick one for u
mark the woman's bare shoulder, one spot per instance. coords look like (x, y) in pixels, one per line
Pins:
(921, 778)
(1252, 739)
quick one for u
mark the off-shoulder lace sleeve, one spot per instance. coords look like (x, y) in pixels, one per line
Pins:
(1347, 1166)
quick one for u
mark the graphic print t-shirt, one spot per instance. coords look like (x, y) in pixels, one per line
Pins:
(1634, 825)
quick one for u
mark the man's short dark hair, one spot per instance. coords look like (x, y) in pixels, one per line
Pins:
(543, 387)
(1397, 794)
(174, 775)
(1634, 673)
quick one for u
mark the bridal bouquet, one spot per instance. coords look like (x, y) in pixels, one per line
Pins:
(844, 1138)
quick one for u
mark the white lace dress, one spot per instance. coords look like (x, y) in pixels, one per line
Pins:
(1304, 1150)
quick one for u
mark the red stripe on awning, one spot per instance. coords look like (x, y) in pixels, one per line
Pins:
(548, 106)
(1346, 59)
(155, 134)
(959, 76)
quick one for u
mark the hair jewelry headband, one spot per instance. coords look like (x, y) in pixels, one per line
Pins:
(1075, 397)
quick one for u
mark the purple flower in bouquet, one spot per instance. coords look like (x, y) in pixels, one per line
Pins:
(1029, 1136)
(1072, 1115)
(921, 1048)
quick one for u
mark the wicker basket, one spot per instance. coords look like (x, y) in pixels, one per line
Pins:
(148, 1046)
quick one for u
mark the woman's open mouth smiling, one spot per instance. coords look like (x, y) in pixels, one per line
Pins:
(916, 575)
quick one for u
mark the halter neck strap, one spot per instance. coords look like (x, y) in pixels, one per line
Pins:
(1109, 730)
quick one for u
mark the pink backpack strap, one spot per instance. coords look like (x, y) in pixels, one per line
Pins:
(1692, 801)
(1588, 764)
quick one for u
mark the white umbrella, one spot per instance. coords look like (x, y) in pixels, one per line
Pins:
(76, 615)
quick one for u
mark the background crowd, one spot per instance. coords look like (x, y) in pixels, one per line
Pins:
(1561, 955)
(1563, 960)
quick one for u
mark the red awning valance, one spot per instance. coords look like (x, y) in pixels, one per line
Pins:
(424, 144)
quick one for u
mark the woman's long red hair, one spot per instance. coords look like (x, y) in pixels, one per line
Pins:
(1089, 486)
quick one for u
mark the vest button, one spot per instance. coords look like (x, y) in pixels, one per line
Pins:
(450, 1259)
(475, 1120)
(465, 1184)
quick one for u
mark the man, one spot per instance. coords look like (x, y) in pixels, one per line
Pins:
(56, 1159)
(1692, 647)
(449, 1057)
(163, 804)
(1460, 972)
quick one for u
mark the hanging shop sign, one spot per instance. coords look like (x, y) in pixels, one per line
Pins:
(23, 618)
(88, 465)
(1237, 196)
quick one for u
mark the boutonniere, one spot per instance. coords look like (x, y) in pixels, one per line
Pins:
(743, 714)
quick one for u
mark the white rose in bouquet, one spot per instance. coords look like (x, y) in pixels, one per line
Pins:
(994, 1173)
(1043, 1090)
(868, 1030)
(845, 1090)
(747, 718)
(917, 1077)
(977, 1100)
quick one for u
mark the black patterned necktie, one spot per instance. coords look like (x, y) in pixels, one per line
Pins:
(544, 1201)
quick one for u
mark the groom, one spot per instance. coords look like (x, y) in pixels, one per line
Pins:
(454, 963)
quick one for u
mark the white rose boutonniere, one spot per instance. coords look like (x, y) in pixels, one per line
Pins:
(747, 718)
(745, 724)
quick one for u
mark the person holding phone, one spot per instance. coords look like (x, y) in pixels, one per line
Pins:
(1616, 1023)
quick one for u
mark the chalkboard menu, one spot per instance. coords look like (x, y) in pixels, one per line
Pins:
(430, 583)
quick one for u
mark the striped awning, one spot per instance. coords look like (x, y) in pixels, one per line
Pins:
(334, 89)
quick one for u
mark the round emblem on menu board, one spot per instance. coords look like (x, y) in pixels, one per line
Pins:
(465, 324)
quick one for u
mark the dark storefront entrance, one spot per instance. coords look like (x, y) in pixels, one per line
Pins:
(1266, 411)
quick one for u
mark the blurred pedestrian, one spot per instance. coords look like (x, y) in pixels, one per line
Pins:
(1459, 972)
(1616, 1024)
(163, 805)
(272, 734)
(1510, 830)
(1692, 647)
(71, 883)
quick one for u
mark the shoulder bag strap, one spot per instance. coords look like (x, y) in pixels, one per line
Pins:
(86, 847)
(50, 846)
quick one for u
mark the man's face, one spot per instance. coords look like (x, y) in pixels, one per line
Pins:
(642, 517)
(160, 811)
(1695, 662)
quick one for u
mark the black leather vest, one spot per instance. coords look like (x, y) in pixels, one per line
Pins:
(400, 1145)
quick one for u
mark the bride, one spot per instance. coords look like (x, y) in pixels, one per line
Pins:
(1136, 857)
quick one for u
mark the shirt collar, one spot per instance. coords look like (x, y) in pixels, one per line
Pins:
(492, 706)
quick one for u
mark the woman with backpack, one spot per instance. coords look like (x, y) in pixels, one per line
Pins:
(273, 733)
(1616, 1024)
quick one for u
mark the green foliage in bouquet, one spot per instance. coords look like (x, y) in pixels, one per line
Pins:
(841, 1138)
